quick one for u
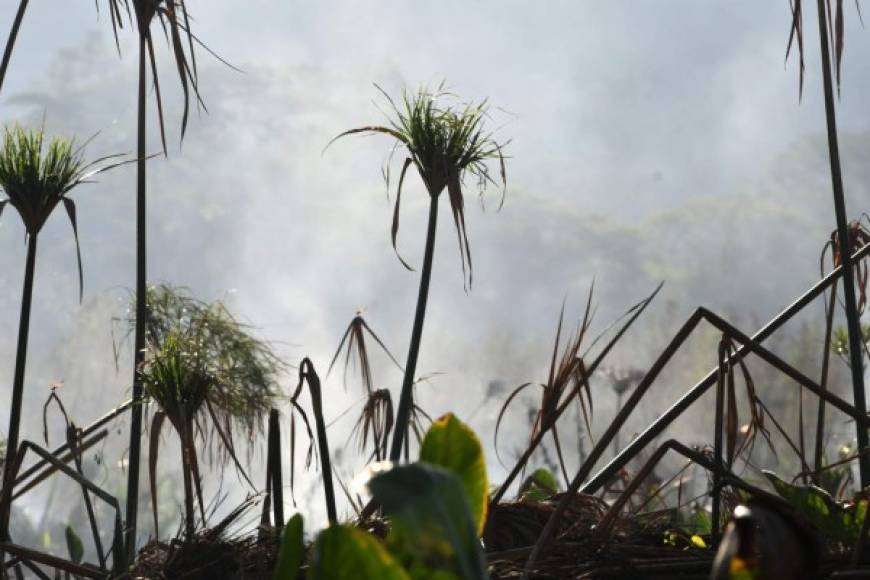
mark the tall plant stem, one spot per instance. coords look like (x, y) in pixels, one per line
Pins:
(852, 317)
(818, 456)
(400, 431)
(186, 438)
(141, 314)
(18, 383)
(10, 42)
(276, 481)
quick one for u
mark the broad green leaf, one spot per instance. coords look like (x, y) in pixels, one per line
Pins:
(74, 545)
(840, 523)
(292, 550)
(346, 553)
(539, 485)
(432, 527)
(451, 444)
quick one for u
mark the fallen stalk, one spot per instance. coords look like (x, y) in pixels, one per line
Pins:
(29, 555)
(701, 387)
(118, 555)
(51, 470)
(748, 345)
(85, 432)
(725, 476)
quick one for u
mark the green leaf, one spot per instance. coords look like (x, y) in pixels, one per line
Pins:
(345, 553)
(292, 550)
(451, 444)
(432, 527)
(840, 523)
(539, 485)
(74, 545)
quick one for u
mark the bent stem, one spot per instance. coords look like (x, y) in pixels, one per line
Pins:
(10, 42)
(18, 382)
(403, 414)
(307, 373)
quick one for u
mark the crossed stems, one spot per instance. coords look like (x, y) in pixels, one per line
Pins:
(749, 345)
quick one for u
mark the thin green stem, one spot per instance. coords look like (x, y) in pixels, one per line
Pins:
(818, 456)
(18, 384)
(406, 400)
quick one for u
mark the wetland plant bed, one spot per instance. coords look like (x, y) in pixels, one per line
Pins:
(206, 557)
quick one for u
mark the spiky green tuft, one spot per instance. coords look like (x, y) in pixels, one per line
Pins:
(203, 362)
(35, 175)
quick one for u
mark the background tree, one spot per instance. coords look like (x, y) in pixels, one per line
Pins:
(376, 419)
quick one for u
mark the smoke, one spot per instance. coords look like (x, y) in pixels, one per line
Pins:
(606, 183)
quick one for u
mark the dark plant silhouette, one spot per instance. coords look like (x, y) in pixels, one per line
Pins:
(444, 140)
(376, 419)
(209, 377)
(831, 28)
(37, 176)
(308, 375)
(174, 20)
(838, 341)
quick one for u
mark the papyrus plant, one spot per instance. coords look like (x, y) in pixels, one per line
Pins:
(445, 141)
(210, 378)
(37, 175)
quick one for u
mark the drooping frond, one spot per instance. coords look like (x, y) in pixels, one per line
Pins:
(174, 20)
(354, 338)
(835, 29)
